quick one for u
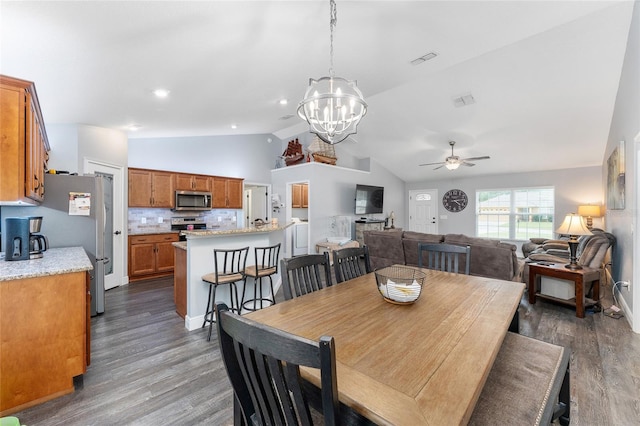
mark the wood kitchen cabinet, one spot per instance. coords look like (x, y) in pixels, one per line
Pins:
(23, 142)
(299, 195)
(187, 182)
(227, 193)
(151, 188)
(151, 255)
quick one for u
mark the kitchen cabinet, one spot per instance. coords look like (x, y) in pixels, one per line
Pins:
(187, 182)
(46, 345)
(300, 195)
(23, 142)
(151, 188)
(227, 193)
(151, 255)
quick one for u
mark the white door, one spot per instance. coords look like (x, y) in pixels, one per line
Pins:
(255, 203)
(114, 270)
(423, 211)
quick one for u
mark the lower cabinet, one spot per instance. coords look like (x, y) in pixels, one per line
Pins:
(151, 255)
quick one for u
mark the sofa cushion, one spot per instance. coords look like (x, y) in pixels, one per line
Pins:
(410, 241)
(489, 258)
(385, 248)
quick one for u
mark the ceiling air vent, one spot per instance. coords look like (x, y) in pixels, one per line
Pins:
(424, 58)
(286, 117)
(463, 100)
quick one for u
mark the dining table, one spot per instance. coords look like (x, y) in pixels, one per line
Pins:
(423, 363)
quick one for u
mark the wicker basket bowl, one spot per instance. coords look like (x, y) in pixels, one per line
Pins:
(401, 285)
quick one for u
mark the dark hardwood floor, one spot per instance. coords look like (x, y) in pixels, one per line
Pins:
(147, 369)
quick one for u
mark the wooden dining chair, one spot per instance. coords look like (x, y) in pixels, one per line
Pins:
(263, 365)
(305, 274)
(349, 263)
(444, 257)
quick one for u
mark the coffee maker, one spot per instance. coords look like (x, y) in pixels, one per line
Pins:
(16, 239)
(38, 243)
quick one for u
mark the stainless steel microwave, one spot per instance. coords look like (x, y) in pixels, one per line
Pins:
(192, 200)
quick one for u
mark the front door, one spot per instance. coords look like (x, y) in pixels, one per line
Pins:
(423, 211)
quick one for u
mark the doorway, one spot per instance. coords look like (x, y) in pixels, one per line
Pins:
(423, 210)
(256, 202)
(114, 270)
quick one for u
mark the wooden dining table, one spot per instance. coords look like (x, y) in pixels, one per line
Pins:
(423, 363)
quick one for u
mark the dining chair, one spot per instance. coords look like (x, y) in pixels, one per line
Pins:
(229, 266)
(263, 365)
(266, 266)
(444, 257)
(349, 263)
(305, 274)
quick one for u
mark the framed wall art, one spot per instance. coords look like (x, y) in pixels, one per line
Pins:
(615, 178)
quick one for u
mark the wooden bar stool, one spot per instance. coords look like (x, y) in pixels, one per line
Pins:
(266, 266)
(229, 268)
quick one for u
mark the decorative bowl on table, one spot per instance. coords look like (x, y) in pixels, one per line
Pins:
(401, 285)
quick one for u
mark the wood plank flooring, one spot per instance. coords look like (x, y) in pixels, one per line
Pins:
(147, 369)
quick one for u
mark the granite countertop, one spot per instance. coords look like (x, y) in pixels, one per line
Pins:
(55, 261)
(180, 244)
(250, 230)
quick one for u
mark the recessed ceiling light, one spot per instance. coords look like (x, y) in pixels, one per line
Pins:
(134, 127)
(234, 126)
(424, 58)
(161, 93)
(283, 101)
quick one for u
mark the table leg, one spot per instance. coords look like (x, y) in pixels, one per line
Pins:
(579, 296)
(532, 287)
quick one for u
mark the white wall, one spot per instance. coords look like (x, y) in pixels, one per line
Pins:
(246, 156)
(572, 188)
(625, 126)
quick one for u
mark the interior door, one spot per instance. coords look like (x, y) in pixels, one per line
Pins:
(423, 211)
(114, 245)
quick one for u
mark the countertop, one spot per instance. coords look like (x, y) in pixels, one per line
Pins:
(249, 230)
(180, 244)
(55, 261)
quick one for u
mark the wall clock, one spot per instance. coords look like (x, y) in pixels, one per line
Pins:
(455, 200)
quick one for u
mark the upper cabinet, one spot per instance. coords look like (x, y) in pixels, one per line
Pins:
(23, 142)
(227, 193)
(299, 195)
(187, 182)
(151, 188)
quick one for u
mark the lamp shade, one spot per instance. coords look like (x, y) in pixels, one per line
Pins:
(573, 225)
(589, 210)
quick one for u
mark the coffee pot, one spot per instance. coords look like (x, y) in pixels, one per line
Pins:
(38, 243)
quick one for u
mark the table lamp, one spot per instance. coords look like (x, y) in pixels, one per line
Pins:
(573, 226)
(392, 216)
(589, 211)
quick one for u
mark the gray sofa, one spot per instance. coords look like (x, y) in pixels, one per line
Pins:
(489, 258)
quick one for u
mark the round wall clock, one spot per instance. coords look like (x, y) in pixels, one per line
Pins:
(455, 200)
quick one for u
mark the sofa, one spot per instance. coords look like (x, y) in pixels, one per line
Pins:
(489, 258)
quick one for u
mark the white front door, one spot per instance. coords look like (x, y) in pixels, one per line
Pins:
(423, 211)
(114, 270)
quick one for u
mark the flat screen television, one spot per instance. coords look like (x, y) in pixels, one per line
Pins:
(369, 199)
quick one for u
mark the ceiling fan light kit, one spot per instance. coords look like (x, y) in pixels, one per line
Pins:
(333, 106)
(453, 161)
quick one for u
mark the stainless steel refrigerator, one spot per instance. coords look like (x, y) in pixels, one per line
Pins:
(63, 229)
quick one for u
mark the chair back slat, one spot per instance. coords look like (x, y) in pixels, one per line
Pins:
(305, 274)
(352, 262)
(444, 257)
(263, 365)
(267, 257)
(229, 262)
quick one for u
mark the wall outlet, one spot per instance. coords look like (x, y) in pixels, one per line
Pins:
(626, 284)
(160, 219)
(143, 220)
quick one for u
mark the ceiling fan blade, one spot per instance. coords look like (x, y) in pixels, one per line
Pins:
(432, 164)
(439, 167)
(486, 157)
(465, 163)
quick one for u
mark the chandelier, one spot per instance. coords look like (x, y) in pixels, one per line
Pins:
(333, 106)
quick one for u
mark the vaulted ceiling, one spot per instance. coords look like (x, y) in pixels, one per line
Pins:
(543, 74)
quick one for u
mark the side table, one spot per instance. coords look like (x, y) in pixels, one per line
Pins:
(325, 246)
(580, 278)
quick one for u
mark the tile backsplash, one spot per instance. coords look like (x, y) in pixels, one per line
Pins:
(149, 220)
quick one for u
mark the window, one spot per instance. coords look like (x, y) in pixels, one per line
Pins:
(515, 214)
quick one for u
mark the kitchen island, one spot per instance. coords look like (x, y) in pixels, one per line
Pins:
(44, 327)
(200, 244)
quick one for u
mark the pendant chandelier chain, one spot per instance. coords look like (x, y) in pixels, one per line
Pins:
(333, 19)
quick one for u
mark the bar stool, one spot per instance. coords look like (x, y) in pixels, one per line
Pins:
(229, 268)
(266, 266)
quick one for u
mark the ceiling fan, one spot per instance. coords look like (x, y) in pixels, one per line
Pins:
(453, 162)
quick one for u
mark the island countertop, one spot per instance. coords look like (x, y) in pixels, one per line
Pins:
(54, 261)
(226, 232)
